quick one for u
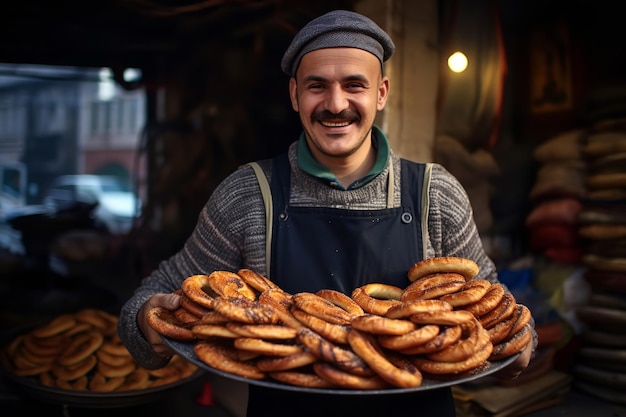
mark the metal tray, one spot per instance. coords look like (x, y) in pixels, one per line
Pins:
(185, 349)
(87, 399)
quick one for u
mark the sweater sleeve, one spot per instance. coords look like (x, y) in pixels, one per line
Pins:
(451, 227)
(229, 234)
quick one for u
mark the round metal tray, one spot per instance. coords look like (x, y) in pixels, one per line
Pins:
(185, 349)
(87, 399)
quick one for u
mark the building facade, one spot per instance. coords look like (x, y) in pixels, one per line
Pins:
(58, 121)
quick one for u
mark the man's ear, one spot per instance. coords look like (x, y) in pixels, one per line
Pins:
(293, 93)
(383, 93)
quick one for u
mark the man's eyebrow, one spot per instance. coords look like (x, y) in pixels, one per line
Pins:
(317, 78)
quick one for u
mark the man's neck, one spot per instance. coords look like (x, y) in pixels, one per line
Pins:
(357, 166)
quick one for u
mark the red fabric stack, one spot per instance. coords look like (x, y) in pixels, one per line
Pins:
(560, 184)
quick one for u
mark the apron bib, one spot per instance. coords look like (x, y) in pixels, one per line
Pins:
(314, 248)
(320, 247)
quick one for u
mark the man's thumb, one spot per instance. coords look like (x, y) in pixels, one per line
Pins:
(170, 301)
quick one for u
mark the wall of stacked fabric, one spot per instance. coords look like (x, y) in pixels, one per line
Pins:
(553, 240)
(559, 186)
(601, 361)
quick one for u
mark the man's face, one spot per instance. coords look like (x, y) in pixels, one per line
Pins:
(337, 92)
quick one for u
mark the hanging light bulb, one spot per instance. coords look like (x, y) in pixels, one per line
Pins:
(457, 62)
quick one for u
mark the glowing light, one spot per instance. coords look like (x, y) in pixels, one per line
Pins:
(457, 62)
(132, 75)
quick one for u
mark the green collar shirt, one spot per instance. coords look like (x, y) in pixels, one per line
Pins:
(308, 164)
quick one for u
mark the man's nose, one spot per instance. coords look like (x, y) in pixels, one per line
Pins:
(337, 100)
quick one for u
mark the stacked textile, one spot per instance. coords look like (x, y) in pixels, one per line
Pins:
(552, 223)
(601, 368)
(603, 219)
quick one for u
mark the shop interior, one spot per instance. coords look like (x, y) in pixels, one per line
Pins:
(535, 130)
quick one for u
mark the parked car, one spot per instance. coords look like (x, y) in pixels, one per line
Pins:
(116, 205)
(12, 185)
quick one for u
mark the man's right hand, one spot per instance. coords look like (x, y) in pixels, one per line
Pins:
(168, 301)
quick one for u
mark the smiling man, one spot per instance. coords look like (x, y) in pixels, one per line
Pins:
(346, 211)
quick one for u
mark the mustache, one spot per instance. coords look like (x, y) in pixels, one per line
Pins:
(325, 115)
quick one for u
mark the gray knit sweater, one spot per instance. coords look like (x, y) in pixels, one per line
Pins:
(230, 233)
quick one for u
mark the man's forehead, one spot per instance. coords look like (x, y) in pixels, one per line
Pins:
(350, 60)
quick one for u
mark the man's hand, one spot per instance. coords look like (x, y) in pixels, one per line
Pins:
(516, 367)
(168, 301)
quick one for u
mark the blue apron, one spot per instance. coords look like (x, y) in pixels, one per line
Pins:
(315, 248)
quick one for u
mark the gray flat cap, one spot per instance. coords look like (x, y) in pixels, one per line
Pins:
(336, 29)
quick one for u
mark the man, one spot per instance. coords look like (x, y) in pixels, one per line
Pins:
(347, 211)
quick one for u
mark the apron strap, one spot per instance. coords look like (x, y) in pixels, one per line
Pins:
(391, 186)
(425, 204)
(267, 203)
(280, 182)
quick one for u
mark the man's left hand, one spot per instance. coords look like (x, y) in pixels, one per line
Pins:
(516, 367)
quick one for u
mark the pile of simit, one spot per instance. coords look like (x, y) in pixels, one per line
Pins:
(445, 324)
(82, 351)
